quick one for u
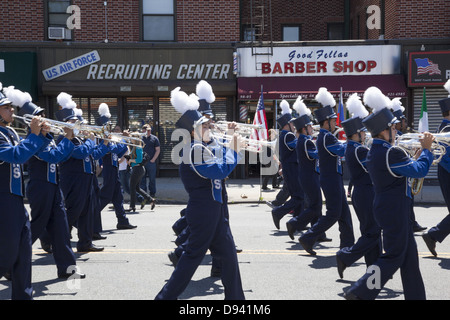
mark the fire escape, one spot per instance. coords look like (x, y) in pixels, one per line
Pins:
(261, 26)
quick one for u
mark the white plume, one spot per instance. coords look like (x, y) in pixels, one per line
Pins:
(285, 108)
(17, 97)
(205, 91)
(325, 98)
(103, 110)
(301, 107)
(375, 99)
(65, 101)
(1, 86)
(355, 107)
(396, 104)
(447, 86)
(78, 112)
(182, 102)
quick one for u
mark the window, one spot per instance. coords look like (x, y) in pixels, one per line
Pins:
(57, 15)
(140, 112)
(335, 31)
(158, 20)
(248, 33)
(291, 33)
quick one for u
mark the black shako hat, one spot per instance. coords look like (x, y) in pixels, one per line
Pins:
(301, 122)
(379, 121)
(352, 126)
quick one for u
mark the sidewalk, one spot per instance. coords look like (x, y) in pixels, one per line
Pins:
(171, 191)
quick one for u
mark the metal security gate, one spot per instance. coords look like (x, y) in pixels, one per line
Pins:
(433, 95)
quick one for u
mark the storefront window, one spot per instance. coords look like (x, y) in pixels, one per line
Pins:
(140, 112)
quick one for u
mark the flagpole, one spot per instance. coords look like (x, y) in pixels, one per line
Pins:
(260, 170)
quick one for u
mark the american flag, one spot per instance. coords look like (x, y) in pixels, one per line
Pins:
(426, 66)
(260, 119)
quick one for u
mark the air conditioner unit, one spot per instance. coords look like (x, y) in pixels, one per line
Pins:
(59, 33)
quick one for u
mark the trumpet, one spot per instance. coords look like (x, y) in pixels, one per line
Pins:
(243, 129)
(251, 145)
(56, 127)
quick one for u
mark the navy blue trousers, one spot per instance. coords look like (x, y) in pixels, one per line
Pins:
(111, 191)
(369, 244)
(48, 217)
(393, 214)
(79, 198)
(312, 201)
(209, 229)
(15, 245)
(295, 203)
(442, 230)
(337, 210)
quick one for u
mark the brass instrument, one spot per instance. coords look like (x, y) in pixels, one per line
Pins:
(56, 127)
(410, 143)
(251, 145)
(243, 129)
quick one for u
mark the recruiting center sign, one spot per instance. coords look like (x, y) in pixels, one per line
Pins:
(320, 61)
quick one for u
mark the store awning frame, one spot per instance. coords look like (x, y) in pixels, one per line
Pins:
(289, 88)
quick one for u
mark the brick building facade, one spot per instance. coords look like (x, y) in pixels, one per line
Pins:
(154, 46)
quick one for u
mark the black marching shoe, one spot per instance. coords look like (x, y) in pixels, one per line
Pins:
(131, 209)
(74, 275)
(340, 267)
(47, 247)
(92, 248)
(98, 236)
(308, 248)
(290, 230)
(125, 226)
(431, 244)
(173, 258)
(276, 221)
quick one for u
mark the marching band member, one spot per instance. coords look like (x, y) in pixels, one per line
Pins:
(77, 179)
(289, 163)
(330, 151)
(307, 171)
(390, 169)
(15, 230)
(48, 215)
(369, 244)
(442, 230)
(111, 190)
(402, 127)
(206, 97)
(202, 174)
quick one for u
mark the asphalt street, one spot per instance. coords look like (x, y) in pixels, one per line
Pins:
(135, 266)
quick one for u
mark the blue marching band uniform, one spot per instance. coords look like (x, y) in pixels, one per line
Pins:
(60, 192)
(202, 172)
(62, 195)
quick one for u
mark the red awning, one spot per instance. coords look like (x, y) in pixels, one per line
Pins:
(290, 88)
